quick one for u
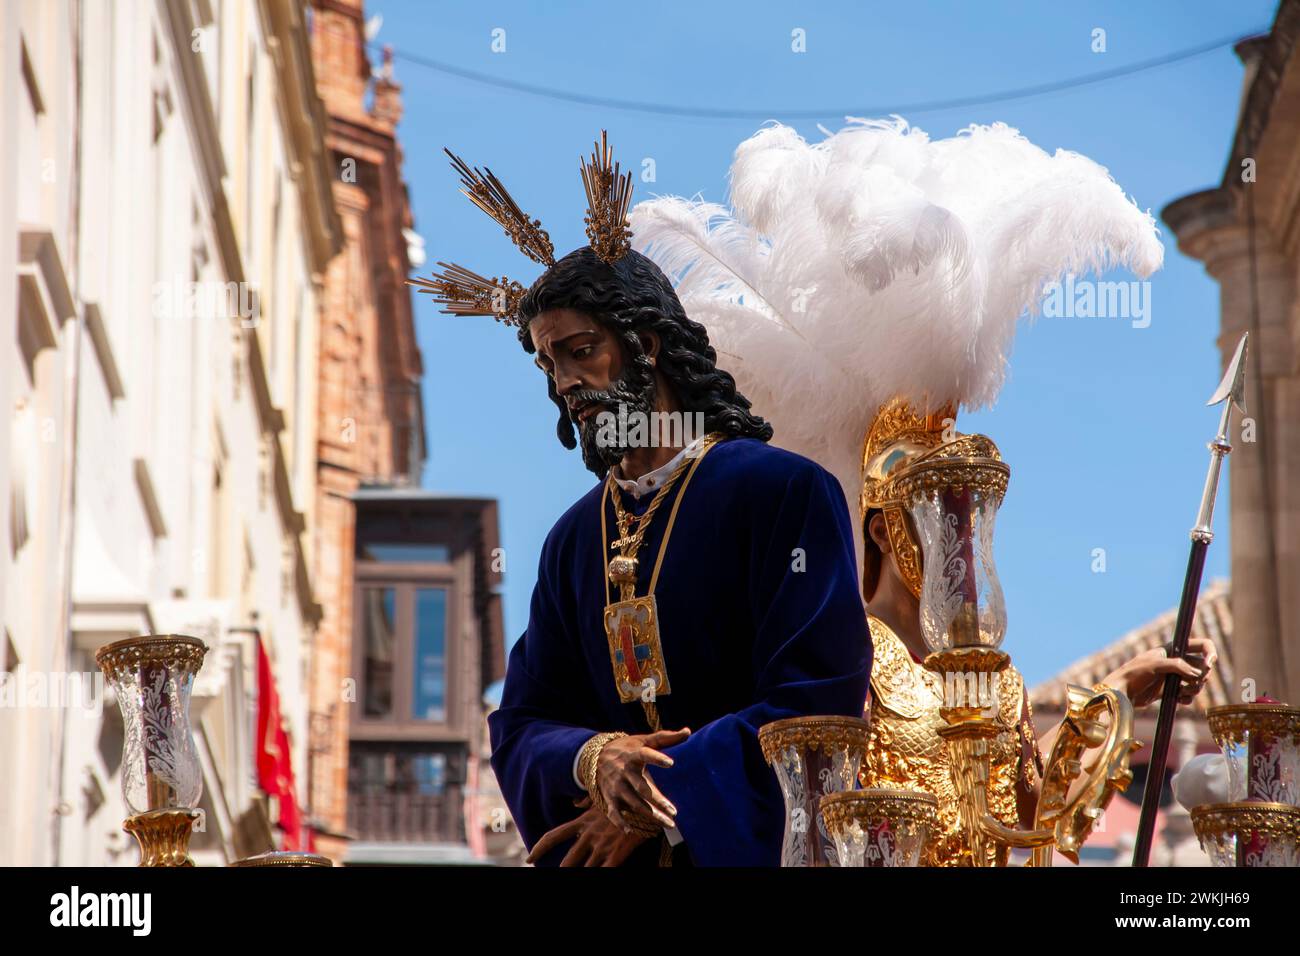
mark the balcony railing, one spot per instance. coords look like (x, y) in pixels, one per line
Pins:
(396, 816)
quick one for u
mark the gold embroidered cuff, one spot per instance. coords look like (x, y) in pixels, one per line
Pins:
(588, 759)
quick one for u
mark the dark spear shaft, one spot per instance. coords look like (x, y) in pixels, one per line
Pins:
(1230, 393)
(1169, 704)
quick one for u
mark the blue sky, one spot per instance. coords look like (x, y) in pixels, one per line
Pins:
(1103, 424)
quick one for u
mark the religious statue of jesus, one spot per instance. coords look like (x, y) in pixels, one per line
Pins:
(704, 586)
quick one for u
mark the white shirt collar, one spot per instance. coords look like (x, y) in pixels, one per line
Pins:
(653, 480)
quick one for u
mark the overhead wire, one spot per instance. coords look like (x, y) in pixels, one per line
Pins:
(919, 106)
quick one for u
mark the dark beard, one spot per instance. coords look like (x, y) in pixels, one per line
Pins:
(634, 397)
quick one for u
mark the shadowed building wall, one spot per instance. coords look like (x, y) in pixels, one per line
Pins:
(1247, 232)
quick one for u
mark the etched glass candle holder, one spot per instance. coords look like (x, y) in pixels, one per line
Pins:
(162, 781)
(812, 757)
(961, 596)
(880, 827)
(1260, 826)
(1261, 743)
(953, 494)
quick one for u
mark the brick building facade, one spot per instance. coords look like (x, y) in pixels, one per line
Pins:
(369, 414)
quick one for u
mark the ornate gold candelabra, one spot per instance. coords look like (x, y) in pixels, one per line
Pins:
(152, 678)
(1071, 799)
(944, 493)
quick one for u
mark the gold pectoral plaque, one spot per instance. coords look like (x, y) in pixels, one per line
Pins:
(632, 630)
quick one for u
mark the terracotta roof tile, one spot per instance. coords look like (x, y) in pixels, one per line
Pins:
(1213, 620)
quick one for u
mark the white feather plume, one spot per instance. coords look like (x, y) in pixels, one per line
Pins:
(878, 264)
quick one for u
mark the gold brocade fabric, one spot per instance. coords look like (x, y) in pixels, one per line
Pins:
(906, 752)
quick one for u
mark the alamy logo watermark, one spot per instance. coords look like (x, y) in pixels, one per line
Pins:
(639, 429)
(971, 689)
(1093, 299)
(133, 910)
(46, 690)
(178, 299)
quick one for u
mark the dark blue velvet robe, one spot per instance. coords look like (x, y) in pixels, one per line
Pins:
(747, 639)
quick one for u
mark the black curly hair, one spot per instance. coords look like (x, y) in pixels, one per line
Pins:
(632, 296)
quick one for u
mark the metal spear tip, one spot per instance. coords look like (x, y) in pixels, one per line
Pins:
(1233, 386)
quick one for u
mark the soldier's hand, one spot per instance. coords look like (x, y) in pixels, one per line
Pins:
(1143, 678)
(624, 784)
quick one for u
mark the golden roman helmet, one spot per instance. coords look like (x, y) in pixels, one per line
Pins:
(909, 457)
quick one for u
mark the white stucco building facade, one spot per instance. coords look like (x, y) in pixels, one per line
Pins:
(165, 222)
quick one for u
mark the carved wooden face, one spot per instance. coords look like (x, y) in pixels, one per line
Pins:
(577, 351)
(587, 362)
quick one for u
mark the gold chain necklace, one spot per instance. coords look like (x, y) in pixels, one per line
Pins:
(632, 623)
(623, 566)
(628, 543)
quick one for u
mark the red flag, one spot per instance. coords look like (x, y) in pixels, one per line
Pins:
(274, 756)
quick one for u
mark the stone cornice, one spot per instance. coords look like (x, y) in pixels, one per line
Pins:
(1199, 217)
(1206, 223)
(1208, 209)
(1274, 51)
(1211, 227)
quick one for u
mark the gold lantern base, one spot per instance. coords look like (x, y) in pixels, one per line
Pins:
(1060, 822)
(284, 858)
(1273, 827)
(163, 835)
